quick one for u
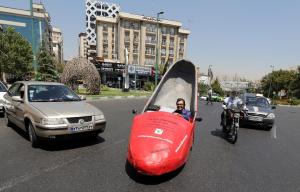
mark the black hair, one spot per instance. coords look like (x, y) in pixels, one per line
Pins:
(181, 99)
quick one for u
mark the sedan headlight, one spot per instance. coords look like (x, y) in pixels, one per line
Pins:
(99, 117)
(52, 121)
(270, 116)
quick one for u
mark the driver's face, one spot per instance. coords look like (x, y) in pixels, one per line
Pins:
(180, 105)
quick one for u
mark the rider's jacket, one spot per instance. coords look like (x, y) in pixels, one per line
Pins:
(235, 101)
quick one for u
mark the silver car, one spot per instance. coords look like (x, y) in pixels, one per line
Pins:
(49, 110)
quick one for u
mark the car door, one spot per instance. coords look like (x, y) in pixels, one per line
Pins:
(20, 107)
(8, 103)
(12, 106)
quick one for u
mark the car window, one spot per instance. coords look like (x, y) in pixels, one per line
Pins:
(2, 88)
(51, 93)
(13, 90)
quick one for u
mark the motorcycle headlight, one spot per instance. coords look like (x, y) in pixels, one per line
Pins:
(271, 116)
(52, 121)
(99, 117)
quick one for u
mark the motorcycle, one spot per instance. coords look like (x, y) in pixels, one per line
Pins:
(233, 116)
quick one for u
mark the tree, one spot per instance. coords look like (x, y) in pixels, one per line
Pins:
(216, 87)
(47, 68)
(277, 81)
(296, 84)
(203, 88)
(80, 69)
(15, 54)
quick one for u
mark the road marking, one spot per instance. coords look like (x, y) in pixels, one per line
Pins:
(274, 132)
(181, 143)
(26, 177)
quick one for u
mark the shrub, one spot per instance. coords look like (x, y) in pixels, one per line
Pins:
(148, 86)
(104, 88)
(294, 101)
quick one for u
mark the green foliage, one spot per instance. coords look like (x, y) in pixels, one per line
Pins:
(15, 54)
(149, 86)
(281, 79)
(294, 101)
(203, 88)
(296, 85)
(46, 70)
(104, 88)
(216, 87)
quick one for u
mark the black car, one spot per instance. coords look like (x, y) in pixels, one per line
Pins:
(259, 111)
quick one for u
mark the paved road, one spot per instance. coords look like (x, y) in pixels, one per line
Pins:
(259, 161)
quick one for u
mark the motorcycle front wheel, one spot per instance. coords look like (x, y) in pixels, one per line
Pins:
(234, 135)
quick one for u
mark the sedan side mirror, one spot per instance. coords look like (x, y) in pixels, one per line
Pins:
(273, 107)
(199, 119)
(17, 99)
(134, 111)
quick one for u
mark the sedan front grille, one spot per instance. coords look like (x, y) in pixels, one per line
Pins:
(76, 119)
(256, 114)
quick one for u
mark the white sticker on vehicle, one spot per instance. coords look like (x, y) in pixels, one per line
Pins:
(158, 131)
(255, 109)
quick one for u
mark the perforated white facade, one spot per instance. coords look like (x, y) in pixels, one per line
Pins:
(96, 8)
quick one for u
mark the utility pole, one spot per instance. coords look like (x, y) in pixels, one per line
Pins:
(157, 44)
(272, 66)
(33, 40)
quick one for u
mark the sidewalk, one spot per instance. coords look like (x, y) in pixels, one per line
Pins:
(93, 98)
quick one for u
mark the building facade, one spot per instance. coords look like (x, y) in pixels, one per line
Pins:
(57, 40)
(83, 45)
(109, 32)
(22, 22)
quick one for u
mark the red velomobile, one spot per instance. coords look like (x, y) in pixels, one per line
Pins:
(160, 141)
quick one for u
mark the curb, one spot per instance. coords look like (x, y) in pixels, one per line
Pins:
(288, 105)
(115, 97)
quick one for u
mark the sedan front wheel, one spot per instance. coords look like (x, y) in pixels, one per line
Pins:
(32, 136)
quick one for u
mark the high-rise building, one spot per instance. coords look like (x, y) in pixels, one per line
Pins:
(83, 45)
(22, 22)
(94, 9)
(57, 39)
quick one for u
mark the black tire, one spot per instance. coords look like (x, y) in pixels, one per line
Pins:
(234, 137)
(9, 123)
(32, 136)
(268, 128)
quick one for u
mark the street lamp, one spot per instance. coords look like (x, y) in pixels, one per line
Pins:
(272, 66)
(157, 41)
(33, 38)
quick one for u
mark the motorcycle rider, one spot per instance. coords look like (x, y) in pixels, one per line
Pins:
(234, 100)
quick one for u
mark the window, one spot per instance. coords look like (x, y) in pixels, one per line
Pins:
(13, 90)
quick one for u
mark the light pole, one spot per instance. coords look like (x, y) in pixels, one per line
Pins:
(272, 66)
(33, 39)
(157, 43)
(209, 73)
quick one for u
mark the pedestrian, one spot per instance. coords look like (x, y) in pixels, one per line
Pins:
(209, 98)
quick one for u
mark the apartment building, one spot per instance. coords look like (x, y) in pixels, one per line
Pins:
(57, 40)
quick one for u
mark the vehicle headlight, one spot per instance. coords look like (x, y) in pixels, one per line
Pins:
(52, 121)
(271, 116)
(99, 117)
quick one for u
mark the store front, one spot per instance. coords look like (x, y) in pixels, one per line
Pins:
(112, 74)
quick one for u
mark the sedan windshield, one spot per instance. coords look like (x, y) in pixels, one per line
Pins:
(257, 101)
(2, 88)
(51, 93)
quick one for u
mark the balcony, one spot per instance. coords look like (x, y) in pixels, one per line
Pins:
(136, 40)
(181, 51)
(135, 51)
(127, 40)
(181, 41)
(105, 41)
(171, 54)
(171, 44)
(150, 53)
(151, 42)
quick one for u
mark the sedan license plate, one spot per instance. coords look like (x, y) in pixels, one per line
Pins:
(81, 128)
(255, 118)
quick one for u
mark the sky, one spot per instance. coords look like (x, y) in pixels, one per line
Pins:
(237, 37)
